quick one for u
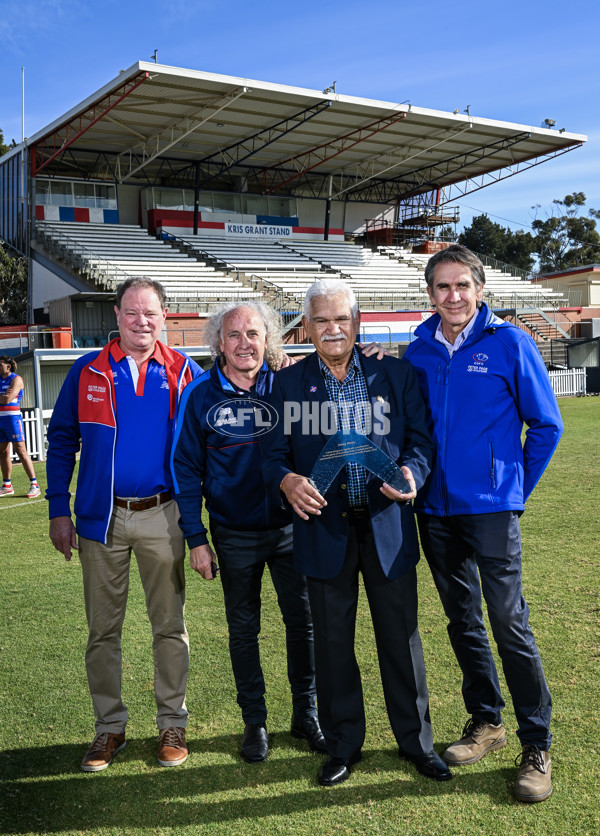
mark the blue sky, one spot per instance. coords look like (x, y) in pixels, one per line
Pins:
(514, 61)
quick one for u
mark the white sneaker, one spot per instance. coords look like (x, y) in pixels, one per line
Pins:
(34, 491)
(7, 490)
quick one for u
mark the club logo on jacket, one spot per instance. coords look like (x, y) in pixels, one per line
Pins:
(96, 394)
(477, 366)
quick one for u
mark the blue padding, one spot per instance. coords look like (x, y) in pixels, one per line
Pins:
(275, 221)
(111, 216)
(66, 213)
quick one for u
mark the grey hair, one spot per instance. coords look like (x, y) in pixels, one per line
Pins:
(457, 254)
(271, 321)
(142, 281)
(329, 287)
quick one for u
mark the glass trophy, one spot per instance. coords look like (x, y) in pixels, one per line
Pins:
(345, 447)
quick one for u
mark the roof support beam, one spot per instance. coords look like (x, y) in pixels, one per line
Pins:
(475, 184)
(275, 178)
(227, 158)
(430, 177)
(138, 156)
(447, 136)
(68, 133)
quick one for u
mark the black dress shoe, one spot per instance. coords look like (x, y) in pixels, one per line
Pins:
(307, 727)
(429, 764)
(336, 770)
(255, 743)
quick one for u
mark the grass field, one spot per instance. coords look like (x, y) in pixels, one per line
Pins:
(46, 718)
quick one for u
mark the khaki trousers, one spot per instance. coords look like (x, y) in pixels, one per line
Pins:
(157, 542)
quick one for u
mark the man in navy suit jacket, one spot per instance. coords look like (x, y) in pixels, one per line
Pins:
(364, 526)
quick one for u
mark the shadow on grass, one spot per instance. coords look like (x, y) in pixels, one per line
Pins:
(43, 790)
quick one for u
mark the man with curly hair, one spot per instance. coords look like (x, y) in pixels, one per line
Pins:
(216, 456)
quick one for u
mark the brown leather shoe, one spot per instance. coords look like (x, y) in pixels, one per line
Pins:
(478, 738)
(102, 750)
(172, 748)
(534, 778)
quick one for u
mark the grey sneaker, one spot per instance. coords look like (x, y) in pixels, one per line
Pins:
(534, 778)
(478, 738)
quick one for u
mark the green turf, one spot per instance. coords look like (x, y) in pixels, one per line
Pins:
(46, 718)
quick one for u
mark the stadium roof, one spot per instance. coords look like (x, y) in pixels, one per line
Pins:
(167, 126)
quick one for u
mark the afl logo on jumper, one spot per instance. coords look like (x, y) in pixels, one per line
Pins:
(242, 418)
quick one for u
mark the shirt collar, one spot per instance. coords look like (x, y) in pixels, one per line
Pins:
(461, 338)
(228, 385)
(353, 366)
(118, 354)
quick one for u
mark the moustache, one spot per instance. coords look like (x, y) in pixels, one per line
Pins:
(326, 339)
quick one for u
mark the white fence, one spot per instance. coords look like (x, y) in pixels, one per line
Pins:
(33, 426)
(568, 382)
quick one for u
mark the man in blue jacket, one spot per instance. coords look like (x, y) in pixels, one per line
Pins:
(363, 526)
(117, 406)
(483, 378)
(216, 456)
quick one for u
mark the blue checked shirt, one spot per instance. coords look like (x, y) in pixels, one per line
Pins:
(345, 395)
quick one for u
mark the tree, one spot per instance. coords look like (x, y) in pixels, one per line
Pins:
(488, 238)
(566, 238)
(3, 148)
(13, 289)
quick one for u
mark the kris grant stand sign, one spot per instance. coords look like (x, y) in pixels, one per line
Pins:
(258, 230)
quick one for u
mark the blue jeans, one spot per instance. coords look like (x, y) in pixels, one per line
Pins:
(243, 556)
(457, 548)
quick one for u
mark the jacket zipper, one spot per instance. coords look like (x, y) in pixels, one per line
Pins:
(492, 466)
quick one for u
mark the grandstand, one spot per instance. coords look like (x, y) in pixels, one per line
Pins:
(226, 188)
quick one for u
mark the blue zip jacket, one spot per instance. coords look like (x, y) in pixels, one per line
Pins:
(85, 417)
(216, 455)
(478, 401)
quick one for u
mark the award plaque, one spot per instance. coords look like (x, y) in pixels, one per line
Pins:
(346, 447)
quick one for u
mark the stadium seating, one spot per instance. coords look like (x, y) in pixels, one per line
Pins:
(108, 253)
(206, 270)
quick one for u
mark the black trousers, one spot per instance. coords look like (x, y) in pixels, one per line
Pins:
(474, 553)
(243, 556)
(393, 606)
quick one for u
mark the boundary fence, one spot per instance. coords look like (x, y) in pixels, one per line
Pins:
(33, 426)
(568, 382)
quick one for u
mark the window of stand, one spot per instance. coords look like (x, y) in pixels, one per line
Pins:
(75, 193)
(226, 202)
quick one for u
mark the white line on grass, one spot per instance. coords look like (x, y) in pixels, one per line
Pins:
(18, 504)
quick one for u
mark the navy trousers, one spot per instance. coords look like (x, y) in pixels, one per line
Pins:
(393, 605)
(243, 556)
(463, 551)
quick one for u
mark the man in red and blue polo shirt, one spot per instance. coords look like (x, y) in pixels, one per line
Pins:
(117, 407)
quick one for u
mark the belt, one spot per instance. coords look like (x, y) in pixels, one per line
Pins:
(145, 503)
(358, 512)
